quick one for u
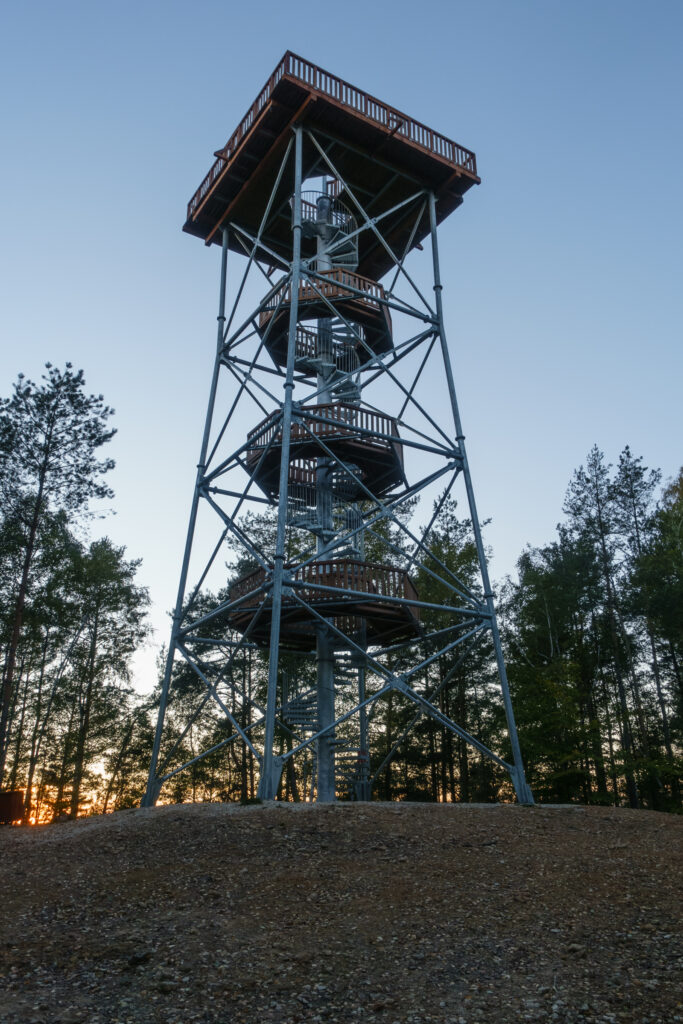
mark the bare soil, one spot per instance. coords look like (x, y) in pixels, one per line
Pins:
(405, 913)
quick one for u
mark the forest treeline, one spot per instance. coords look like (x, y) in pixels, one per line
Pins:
(592, 625)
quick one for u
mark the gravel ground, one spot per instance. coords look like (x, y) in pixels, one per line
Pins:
(394, 913)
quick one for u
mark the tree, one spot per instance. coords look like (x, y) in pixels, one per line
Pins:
(658, 576)
(657, 595)
(113, 611)
(50, 435)
(553, 660)
(51, 626)
(634, 489)
(589, 504)
(591, 662)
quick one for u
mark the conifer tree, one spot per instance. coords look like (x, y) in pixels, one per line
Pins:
(50, 436)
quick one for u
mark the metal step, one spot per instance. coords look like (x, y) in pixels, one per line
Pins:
(346, 391)
(345, 677)
(302, 711)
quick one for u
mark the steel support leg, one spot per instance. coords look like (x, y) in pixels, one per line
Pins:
(153, 786)
(269, 768)
(524, 795)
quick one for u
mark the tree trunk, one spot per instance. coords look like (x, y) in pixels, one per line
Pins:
(626, 735)
(85, 707)
(292, 788)
(41, 724)
(596, 747)
(250, 756)
(677, 669)
(444, 737)
(675, 787)
(66, 756)
(19, 608)
(128, 735)
(463, 752)
(19, 731)
(610, 744)
(389, 739)
(33, 756)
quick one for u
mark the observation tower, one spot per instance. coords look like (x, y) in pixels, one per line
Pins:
(332, 444)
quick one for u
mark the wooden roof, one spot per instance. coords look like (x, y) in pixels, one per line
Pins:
(384, 155)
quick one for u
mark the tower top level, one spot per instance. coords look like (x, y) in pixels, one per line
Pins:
(381, 154)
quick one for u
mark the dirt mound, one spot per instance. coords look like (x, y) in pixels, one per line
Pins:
(357, 912)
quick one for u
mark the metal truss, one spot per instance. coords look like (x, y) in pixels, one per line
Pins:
(337, 433)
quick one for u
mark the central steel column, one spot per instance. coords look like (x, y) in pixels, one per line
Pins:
(324, 650)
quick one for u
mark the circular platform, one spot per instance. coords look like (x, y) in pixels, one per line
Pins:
(354, 298)
(356, 435)
(353, 595)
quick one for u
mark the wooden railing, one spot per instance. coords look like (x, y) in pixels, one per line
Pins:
(380, 113)
(374, 110)
(243, 129)
(339, 216)
(346, 420)
(343, 351)
(366, 578)
(303, 473)
(306, 343)
(333, 285)
(303, 478)
(334, 187)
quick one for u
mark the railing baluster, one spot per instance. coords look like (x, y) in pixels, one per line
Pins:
(357, 100)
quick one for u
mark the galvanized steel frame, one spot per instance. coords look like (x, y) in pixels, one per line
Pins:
(477, 617)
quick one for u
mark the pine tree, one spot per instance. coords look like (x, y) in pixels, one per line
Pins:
(591, 510)
(50, 435)
(113, 611)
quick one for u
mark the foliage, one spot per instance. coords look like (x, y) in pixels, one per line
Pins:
(50, 435)
(592, 626)
(71, 613)
(593, 634)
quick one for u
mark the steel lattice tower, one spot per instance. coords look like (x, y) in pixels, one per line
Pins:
(325, 409)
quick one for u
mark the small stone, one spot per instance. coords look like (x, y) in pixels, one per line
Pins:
(143, 956)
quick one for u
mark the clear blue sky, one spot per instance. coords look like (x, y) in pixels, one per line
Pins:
(563, 271)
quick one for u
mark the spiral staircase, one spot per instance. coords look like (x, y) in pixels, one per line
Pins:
(341, 453)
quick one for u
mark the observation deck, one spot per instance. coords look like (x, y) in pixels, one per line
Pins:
(356, 298)
(359, 603)
(377, 150)
(356, 435)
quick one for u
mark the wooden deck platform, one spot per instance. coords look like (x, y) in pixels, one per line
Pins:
(356, 298)
(356, 435)
(384, 155)
(383, 622)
